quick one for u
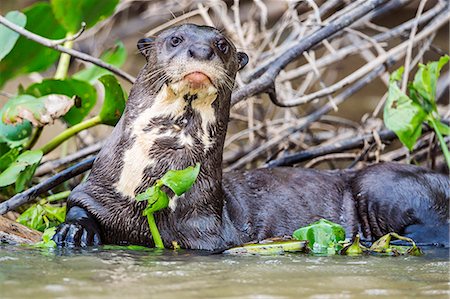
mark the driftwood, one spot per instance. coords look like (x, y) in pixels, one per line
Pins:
(15, 233)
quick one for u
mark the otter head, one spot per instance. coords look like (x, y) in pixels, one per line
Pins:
(193, 61)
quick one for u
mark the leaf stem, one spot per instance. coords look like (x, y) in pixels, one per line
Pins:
(444, 147)
(66, 134)
(55, 197)
(64, 60)
(33, 139)
(154, 230)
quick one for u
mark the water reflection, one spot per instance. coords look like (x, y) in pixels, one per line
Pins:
(99, 273)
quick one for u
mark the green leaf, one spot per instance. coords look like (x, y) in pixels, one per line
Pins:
(354, 248)
(9, 157)
(114, 102)
(40, 217)
(33, 217)
(70, 13)
(423, 88)
(23, 161)
(321, 235)
(8, 37)
(402, 115)
(25, 177)
(157, 199)
(70, 88)
(13, 133)
(180, 181)
(39, 111)
(115, 56)
(47, 236)
(28, 56)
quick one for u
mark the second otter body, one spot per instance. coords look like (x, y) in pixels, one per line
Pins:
(176, 116)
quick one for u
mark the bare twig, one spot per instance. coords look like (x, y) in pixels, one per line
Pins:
(266, 80)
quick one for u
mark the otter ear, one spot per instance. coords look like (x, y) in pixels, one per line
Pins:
(144, 45)
(243, 60)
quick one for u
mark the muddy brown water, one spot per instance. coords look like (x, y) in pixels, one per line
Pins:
(100, 273)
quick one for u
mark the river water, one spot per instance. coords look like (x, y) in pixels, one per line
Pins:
(100, 273)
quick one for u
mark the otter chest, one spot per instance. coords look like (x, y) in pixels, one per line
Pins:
(157, 136)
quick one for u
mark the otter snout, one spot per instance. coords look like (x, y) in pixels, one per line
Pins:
(201, 52)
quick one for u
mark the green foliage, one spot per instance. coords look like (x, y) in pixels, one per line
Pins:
(405, 114)
(14, 135)
(39, 111)
(71, 13)
(114, 102)
(19, 171)
(323, 236)
(28, 56)
(70, 98)
(157, 199)
(9, 157)
(70, 87)
(354, 248)
(47, 236)
(42, 216)
(115, 56)
(402, 115)
(180, 181)
(7, 35)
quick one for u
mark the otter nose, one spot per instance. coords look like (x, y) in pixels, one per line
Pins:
(201, 52)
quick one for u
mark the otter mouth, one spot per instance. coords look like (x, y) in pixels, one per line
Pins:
(197, 79)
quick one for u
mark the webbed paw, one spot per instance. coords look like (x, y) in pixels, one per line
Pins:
(79, 230)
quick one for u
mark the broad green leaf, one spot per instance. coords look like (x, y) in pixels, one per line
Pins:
(180, 181)
(114, 102)
(402, 115)
(70, 13)
(41, 217)
(9, 157)
(70, 88)
(24, 178)
(39, 111)
(55, 213)
(14, 135)
(33, 217)
(48, 234)
(425, 80)
(23, 161)
(321, 235)
(157, 199)
(28, 56)
(115, 56)
(8, 37)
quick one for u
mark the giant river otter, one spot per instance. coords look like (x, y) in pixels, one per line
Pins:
(176, 116)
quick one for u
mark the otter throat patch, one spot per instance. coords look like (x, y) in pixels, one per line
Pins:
(169, 102)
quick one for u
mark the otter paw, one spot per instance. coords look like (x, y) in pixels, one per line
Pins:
(75, 235)
(79, 230)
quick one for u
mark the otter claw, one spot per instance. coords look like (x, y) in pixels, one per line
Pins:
(79, 230)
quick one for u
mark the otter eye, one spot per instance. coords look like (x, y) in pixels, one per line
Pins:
(175, 41)
(222, 46)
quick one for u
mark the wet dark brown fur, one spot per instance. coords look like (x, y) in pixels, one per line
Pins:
(223, 210)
